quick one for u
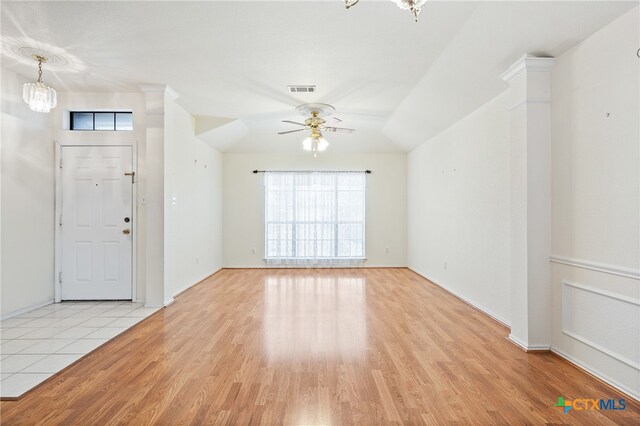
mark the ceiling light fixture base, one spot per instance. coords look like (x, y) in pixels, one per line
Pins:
(315, 110)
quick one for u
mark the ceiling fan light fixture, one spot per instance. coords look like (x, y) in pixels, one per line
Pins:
(316, 124)
(39, 97)
(307, 144)
(315, 144)
(322, 144)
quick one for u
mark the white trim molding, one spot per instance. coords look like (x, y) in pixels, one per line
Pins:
(597, 266)
(464, 299)
(552, 348)
(597, 374)
(197, 281)
(96, 141)
(528, 63)
(527, 348)
(602, 292)
(588, 342)
(602, 349)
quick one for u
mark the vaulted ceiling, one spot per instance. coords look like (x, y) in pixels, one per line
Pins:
(398, 82)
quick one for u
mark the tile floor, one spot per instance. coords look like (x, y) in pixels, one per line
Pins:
(36, 345)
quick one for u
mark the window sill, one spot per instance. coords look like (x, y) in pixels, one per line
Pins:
(310, 262)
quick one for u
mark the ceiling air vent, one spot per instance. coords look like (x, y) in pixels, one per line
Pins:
(308, 88)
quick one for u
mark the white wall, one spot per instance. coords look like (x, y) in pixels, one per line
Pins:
(193, 203)
(244, 203)
(458, 206)
(458, 209)
(27, 201)
(28, 176)
(596, 203)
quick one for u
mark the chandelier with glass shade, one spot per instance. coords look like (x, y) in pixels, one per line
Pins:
(40, 98)
(413, 6)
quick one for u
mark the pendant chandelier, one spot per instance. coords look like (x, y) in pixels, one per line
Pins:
(413, 6)
(40, 98)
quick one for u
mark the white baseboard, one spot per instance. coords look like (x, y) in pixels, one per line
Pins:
(526, 347)
(188, 286)
(464, 299)
(171, 299)
(603, 377)
(634, 394)
(267, 266)
(25, 310)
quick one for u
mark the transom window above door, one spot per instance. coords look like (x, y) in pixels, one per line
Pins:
(314, 217)
(100, 120)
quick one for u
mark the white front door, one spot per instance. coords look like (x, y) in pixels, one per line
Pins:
(97, 223)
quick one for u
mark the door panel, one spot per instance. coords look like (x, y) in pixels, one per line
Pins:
(96, 198)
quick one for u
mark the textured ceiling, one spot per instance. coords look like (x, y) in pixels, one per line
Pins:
(396, 81)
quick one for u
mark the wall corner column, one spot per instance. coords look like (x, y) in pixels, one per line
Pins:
(157, 288)
(529, 81)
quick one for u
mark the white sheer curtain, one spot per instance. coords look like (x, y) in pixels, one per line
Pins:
(314, 218)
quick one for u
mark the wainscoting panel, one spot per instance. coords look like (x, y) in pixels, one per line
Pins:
(603, 320)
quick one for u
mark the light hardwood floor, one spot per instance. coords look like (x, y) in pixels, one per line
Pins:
(304, 347)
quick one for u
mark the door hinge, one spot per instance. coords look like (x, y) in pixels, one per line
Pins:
(61, 163)
(60, 221)
(133, 176)
(59, 277)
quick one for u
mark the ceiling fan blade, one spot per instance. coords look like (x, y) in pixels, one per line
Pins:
(294, 122)
(338, 129)
(291, 131)
(333, 120)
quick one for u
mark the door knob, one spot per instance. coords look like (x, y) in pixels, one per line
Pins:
(126, 231)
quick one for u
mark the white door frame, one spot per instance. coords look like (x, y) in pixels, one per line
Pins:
(94, 139)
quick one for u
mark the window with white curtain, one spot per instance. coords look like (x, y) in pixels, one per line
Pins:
(314, 217)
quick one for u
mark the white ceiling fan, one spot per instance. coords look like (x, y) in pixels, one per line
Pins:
(316, 124)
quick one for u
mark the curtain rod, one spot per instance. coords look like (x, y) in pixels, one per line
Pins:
(312, 171)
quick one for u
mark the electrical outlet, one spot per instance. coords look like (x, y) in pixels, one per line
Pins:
(445, 264)
(197, 261)
(386, 250)
(253, 251)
